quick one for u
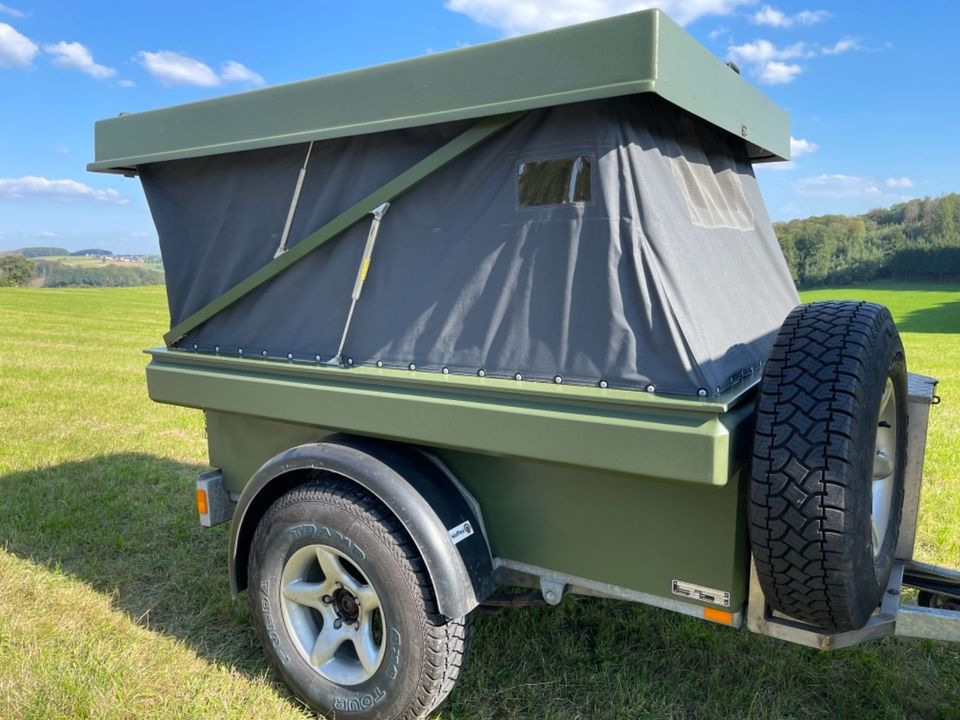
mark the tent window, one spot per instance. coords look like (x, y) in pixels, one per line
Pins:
(559, 181)
(710, 181)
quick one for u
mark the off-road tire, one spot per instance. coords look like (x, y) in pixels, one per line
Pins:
(812, 467)
(420, 670)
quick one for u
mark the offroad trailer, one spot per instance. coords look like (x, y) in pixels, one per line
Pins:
(515, 315)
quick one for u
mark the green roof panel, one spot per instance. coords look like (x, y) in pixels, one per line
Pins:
(623, 55)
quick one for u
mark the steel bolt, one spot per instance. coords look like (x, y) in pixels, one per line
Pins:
(411, 366)
(557, 379)
(216, 348)
(338, 623)
(240, 352)
(446, 371)
(328, 599)
(518, 376)
(550, 596)
(379, 363)
(651, 388)
(263, 352)
(350, 362)
(702, 392)
(481, 372)
(289, 356)
(603, 384)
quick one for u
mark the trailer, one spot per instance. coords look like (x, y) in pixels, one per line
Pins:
(515, 316)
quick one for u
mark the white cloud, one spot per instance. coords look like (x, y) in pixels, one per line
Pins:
(778, 73)
(173, 68)
(718, 31)
(901, 183)
(843, 45)
(12, 12)
(32, 186)
(232, 71)
(766, 61)
(811, 17)
(763, 51)
(16, 50)
(772, 17)
(516, 17)
(838, 186)
(777, 166)
(62, 150)
(47, 234)
(126, 83)
(799, 146)
(76, 56)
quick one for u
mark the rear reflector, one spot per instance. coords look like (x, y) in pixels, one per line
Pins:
(202, 506)
(720, 616)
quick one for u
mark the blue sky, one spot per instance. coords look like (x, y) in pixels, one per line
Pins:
(870, 87)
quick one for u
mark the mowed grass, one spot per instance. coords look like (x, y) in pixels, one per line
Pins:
(114, 603)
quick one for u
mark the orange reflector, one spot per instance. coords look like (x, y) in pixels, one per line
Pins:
(202, 502)
(720, 616)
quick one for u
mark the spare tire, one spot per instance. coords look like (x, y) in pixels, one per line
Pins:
(828, 466)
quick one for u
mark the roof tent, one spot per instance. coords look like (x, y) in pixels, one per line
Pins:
(576, 206)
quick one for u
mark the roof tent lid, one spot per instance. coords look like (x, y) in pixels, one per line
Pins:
(623, 55)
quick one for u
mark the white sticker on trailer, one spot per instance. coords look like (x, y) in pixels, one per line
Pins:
(701, 593)
(460, 532)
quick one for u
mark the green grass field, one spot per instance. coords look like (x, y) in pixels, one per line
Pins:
(114, 603)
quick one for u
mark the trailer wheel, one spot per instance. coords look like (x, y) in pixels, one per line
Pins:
(829, 459)
(345, 608)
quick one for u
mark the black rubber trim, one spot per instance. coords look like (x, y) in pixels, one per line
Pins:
(425, 501)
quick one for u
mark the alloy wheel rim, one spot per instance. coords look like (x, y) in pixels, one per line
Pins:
(884, 467)
(333, 614)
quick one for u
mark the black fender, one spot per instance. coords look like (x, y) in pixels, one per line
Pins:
(416, 488)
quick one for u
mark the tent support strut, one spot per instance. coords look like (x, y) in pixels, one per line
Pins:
(403, 182)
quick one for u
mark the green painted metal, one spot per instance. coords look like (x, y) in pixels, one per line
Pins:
(631, 531)
(628, 530)
(669, 439)
(402, 183)
(625, 55)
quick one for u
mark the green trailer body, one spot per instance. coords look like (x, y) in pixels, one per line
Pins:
(625, 419)
(568, 480)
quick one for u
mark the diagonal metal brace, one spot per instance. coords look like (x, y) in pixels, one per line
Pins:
(467, 140)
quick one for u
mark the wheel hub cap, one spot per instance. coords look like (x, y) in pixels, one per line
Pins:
(332, 613)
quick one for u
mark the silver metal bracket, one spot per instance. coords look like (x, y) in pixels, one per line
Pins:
(764, 621)
(552, 590)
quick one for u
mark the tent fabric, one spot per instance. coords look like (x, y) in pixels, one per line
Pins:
(655, 265)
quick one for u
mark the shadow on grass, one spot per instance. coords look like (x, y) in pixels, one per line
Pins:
(943, 318)
(125, 525)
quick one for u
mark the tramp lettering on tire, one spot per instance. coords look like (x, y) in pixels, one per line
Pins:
(828, 465)
(345, 608)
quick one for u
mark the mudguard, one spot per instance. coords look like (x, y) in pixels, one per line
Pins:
(436, 512)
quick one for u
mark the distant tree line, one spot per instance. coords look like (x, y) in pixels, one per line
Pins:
(32, 252)
(93, 251)
(60, 275)
(915, 240)
(16, 270)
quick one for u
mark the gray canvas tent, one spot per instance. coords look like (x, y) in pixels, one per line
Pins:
(620, 240)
